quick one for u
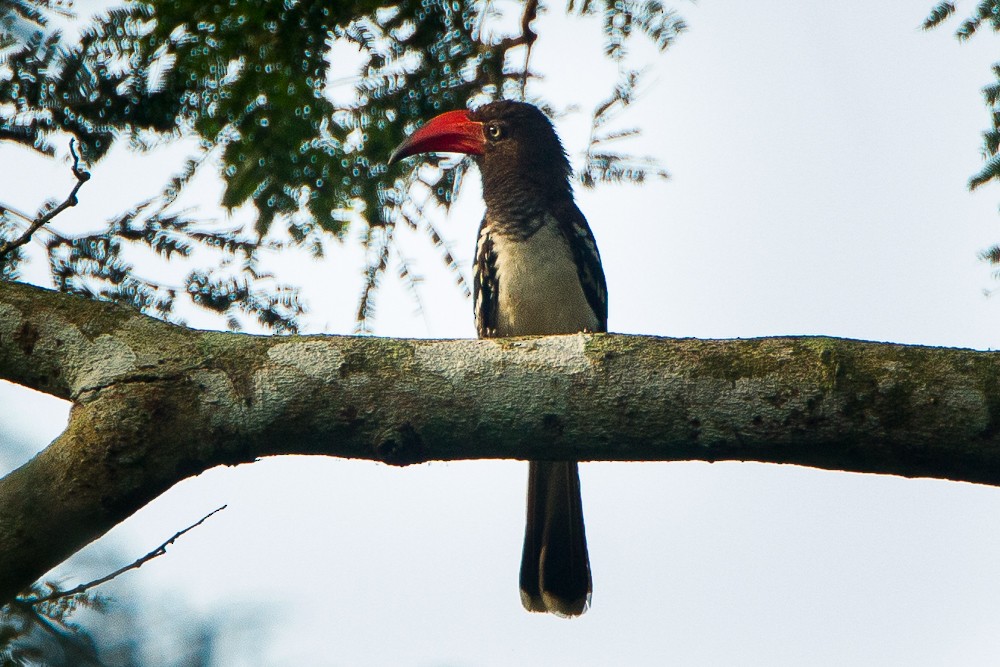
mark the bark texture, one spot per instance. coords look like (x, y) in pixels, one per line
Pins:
(156, 403)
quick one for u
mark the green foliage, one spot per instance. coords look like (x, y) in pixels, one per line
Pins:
(940, 12)
(986, 12)
(605, 165)
(94, 88)
(660, 24)
(251, 76)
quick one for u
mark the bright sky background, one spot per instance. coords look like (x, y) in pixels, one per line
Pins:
(819, 154)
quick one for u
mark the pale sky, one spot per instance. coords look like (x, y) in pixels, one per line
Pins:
(819, 154)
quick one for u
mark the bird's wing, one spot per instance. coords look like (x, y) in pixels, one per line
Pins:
(587, 258)
(484, 285)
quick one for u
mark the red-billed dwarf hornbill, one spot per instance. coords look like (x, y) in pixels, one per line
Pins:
(537, 272)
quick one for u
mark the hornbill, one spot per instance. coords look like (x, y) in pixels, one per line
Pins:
(537, 271)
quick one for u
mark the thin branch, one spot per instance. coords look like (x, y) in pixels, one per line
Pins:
(374, 270)
(529, 36)
(526, 38)
(155, 553)
(448, 255)
(82, 177)
(411, 281)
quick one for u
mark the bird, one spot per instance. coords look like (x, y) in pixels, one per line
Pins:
(537, 272)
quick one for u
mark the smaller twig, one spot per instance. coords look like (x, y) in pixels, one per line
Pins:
(411, 280)
(155, 553)
(530, 12)
(525, 38)
(374, 270)
(82, 177)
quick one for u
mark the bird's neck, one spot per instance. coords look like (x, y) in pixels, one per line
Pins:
(517, 206)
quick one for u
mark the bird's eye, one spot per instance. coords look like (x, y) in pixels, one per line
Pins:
(494, 131)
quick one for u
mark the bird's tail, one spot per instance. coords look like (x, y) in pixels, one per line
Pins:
(555, 567)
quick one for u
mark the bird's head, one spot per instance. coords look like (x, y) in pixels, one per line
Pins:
(514, 143)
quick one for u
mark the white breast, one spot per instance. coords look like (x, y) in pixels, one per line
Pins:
(539, 289)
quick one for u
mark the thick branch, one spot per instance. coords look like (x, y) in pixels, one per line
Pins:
(156, 403)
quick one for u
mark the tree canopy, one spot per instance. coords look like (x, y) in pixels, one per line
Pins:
(297, 106)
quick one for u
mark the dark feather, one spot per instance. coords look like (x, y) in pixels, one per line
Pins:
(484, 285)
(555, 566)
(587, 258)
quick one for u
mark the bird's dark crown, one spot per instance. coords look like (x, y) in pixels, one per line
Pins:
(523, 161)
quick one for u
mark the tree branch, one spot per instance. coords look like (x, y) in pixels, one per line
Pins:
(528, 36)
(156, 403)
(82, 177)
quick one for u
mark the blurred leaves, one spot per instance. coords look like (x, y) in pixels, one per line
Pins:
(986, 12)
(95, 265)
(94, 87)
(43, 634)
(602, 163)
(621, 17)
(87, 630)
(940, 12)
